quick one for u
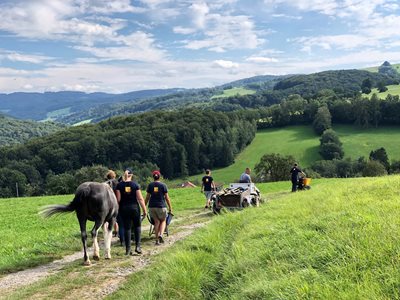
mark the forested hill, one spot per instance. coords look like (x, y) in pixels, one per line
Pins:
(269, 90)
(53, 105)
(13, 131)
(345, 83)
(179, 143)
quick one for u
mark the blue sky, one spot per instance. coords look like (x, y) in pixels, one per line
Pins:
(121, 46)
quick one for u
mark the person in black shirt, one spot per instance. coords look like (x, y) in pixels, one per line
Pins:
(157, 197)
(129, 198)
(295, 176)
(207, 186)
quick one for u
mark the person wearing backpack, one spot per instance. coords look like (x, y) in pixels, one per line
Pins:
(158, 199)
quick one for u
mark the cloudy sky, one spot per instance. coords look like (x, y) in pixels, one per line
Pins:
(121, 45)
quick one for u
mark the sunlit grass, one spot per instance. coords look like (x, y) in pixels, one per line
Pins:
(340, 240)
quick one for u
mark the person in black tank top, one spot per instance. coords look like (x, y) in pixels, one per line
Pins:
(129, 197)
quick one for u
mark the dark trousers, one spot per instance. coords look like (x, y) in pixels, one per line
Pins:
(120, 228)
(130, 215)
(294, 185)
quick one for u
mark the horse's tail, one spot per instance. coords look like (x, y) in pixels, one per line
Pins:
(51, 210)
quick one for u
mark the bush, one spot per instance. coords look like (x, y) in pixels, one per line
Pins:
(374, 168)
(274, 167)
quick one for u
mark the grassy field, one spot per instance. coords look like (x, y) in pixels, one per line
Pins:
(29, 240)
(234, 92)
(340, 240)
(303, 144)
(393, 90)
(360, 142)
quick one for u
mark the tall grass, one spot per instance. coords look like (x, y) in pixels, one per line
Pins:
(340, 240)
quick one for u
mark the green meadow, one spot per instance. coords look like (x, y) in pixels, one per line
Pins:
(237, 91)
(29, 240)
(340, 240)
(393, 90)
(303, 144)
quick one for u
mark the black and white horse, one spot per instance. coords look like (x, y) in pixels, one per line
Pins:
(95, 202)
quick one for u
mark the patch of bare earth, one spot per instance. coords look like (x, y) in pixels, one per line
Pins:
(101, 278)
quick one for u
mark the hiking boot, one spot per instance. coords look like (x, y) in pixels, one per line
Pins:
(160, 240)
(138, 250)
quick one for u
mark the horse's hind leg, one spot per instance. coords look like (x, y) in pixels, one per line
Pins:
(107, 228)
(82, 224)
(95, 231)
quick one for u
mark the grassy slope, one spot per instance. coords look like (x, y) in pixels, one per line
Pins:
(393, 90)
(303, 144)
(340, 240)
(360, 142)
(234, 92)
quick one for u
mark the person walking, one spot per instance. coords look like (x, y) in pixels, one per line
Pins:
(207, 187)
(245, 177)
(294, 171)
(112, 182)
(129, 197)
(158, 199)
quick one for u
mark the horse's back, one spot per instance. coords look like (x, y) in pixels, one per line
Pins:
(97, 199)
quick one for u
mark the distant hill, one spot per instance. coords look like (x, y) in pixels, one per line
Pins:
(13, 131)
(203, 97)
(55, 105)
(344, 82)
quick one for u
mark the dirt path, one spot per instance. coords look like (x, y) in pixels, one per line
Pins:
(105, 276)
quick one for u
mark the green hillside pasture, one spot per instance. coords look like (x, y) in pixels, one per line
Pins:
(360, 142)
(303, 144)
(234, 92)
(393, 90)
(376, 69)
(29, 240)
(340, 240)
(299, 141)
(53, 115)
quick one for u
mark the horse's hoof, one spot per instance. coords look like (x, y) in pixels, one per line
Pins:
(96, 258)
(87, 263)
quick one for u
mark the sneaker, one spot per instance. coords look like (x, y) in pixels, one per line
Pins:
(138, 250)
(157, 242)
(161, 240)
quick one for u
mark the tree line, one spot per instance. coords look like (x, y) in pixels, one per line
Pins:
(179, 143)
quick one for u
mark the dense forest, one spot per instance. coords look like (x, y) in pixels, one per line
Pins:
(13, 131)
(179, 143)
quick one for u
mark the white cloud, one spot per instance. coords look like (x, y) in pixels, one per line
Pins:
(342, 42)
(225, 64)
(108, 7)
(20, 57)
(199, 12)
(261, 59)
(183, 30)
(227, 32)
